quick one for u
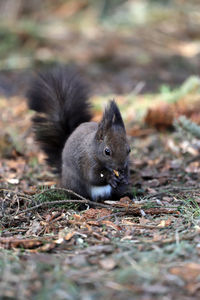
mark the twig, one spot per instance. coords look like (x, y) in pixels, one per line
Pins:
(63, 202)
(120, 213)
(173, 239)
(171, 190)
(141, 226)
(21, 195)
(130, 210)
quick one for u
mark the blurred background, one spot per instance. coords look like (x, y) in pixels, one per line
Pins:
(121, 46)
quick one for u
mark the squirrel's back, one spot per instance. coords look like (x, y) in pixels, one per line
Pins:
(60, 98)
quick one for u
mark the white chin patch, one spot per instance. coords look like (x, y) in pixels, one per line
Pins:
(101, 191)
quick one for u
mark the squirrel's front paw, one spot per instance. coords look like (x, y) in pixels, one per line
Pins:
(113, 180)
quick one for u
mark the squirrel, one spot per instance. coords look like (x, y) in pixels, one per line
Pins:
(92, 158)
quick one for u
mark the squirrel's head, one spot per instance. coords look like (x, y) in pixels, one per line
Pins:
(114, 149)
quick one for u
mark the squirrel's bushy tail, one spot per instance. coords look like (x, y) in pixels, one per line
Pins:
(60, 98)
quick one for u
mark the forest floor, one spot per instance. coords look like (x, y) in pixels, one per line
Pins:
(52, 248)
(146, 248)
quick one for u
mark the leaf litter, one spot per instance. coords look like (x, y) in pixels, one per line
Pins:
(149, 246)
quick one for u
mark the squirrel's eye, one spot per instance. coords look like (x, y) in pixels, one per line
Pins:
(107, 151)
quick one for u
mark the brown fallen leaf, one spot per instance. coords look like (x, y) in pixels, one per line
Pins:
(93, 213)
(161, 116)
(44, 248)
(77, 217)
(193, 167)
(126, 200)
(188, 272)
(192, 287)
(107, 263)
(111, 224)
(10, 243)
(93, 223)
(164, 223)
(69, 235)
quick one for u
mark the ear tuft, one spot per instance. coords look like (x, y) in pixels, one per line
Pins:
(111, 117)
(114, 113)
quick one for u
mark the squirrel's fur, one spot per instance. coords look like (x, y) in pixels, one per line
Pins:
(75, 147)
(61, 98)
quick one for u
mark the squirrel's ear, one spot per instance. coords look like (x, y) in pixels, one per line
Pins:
(116, 115)
(111, 117)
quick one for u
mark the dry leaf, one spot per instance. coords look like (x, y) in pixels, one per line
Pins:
(108, 263)
(93, 213)
(9, 243)
(69, 235)
(164, 223)
(161, 116)
(126, 200)
(188, 272)
(111, 224)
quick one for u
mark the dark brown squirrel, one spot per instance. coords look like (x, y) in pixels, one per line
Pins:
(91, 158)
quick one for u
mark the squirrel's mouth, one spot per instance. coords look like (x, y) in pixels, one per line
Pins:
(116, 171)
